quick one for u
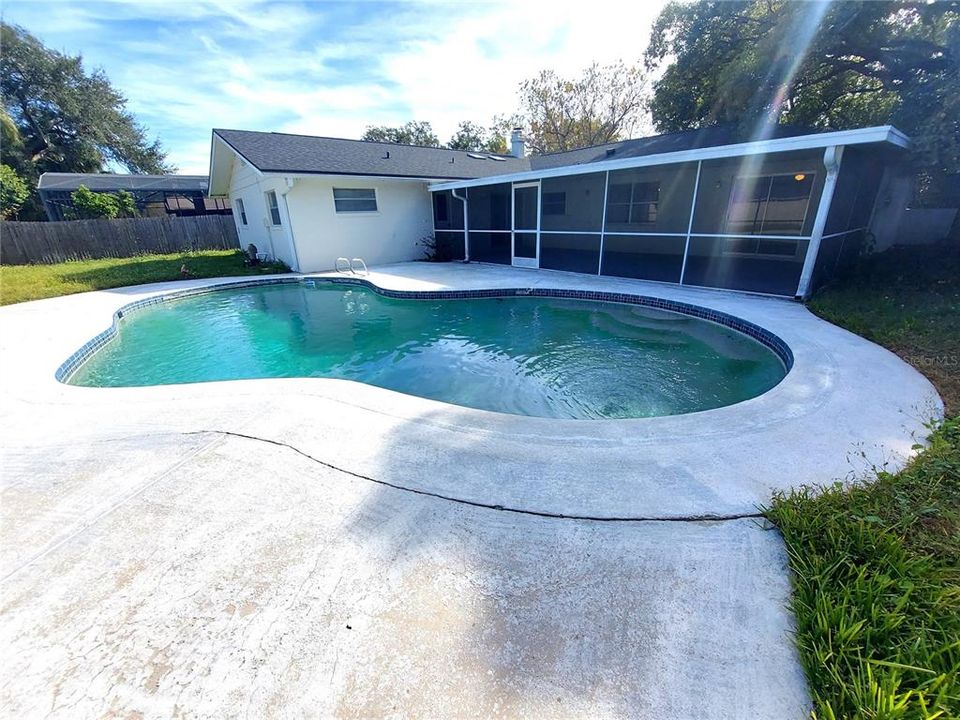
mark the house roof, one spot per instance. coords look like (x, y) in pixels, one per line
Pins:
(307, 154)
(109, 182)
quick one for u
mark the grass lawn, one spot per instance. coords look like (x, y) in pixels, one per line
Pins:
(19, 283)
(877, 567)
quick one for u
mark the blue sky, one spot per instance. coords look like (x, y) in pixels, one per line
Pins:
(326, 68)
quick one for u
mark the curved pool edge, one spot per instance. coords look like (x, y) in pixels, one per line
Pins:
(766, 338)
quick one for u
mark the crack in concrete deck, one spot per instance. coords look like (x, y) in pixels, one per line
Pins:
(706, 517)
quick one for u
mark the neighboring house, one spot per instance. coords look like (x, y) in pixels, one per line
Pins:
(154, 195)
(778, 215)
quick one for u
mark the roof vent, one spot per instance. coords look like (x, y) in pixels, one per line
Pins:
(611, 151)
(386, 155)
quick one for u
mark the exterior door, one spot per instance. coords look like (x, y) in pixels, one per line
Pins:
(526, 224)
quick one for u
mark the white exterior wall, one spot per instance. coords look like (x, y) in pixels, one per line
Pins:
(404, 216)
(249, 186)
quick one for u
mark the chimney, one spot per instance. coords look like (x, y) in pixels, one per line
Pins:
(517, 148)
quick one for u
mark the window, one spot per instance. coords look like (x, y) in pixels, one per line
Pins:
(351, 200)
(273, 207)
(769, 204)
(633, 203)
(554, 203)
(240, 209)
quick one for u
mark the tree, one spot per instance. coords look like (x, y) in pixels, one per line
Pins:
(67, 120)
(470, 136)
(837, 65)
(411, 133)
(602, 105)
(88, 204)
(13, 192)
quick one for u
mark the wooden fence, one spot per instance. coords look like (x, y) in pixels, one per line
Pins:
(22, 243)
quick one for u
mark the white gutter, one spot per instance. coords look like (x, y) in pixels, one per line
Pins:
(334, 176)
(859, 136)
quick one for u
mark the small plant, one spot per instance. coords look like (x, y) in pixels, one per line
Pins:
(429, 245)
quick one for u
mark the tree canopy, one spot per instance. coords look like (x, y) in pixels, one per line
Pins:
(838, 65)
(63, 118)
(471, 136)
(414, 132)
(603, 104)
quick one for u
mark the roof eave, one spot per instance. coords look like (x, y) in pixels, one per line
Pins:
(218, 175)
(369, 176)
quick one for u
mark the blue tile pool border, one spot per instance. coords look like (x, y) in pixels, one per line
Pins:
(758, 333)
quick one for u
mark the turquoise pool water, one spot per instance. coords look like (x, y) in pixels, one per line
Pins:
(528, 356)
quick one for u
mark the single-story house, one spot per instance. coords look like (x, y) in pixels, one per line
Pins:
(154, 195)
(777, 215)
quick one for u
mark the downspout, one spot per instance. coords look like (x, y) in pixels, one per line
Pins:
(290, 182)
(831, 161)
(466, 224)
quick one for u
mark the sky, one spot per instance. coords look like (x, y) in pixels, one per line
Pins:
(327, 68)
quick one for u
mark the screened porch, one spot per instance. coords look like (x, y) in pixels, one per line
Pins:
(742, 223)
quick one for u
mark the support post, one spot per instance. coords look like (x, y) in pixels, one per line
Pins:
(603, 221)
(831, 160)
(693, 208)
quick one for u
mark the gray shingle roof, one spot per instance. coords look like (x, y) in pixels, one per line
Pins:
(115, 181)
(279, 152)
(657, 144)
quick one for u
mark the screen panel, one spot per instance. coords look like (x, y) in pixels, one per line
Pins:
(575, 253)
(648, 257)
(572, 203)
(490, 207)
(490, 247)
(757, 264)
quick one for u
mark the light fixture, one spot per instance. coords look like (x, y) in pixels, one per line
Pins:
(799, 177)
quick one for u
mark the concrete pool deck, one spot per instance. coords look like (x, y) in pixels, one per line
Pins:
(319, 547)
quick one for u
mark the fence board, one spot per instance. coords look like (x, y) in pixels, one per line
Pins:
(23, 243)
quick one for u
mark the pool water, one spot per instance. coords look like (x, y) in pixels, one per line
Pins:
(544, 357)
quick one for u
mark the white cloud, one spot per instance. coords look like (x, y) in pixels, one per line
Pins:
(328, 68)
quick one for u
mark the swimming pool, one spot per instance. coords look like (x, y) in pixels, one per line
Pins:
(539, 356)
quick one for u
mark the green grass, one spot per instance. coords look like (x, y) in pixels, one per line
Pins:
(877, 566)
(19, 283)
(908, 300)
